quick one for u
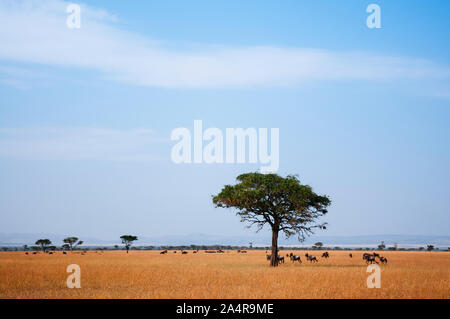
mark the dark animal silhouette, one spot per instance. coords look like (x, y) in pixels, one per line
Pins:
(351, 256)
(311, 259)
(369, 258)
(383, 260)
(295, 258)
(325, 255)
(163, 252)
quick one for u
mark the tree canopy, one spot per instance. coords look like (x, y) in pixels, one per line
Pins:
(128, 240)
(283, 203)
(71, 242)
(43, 243)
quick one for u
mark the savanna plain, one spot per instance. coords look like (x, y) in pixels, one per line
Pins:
(148, 274)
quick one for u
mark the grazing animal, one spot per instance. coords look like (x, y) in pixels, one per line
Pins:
(194, 252)
(280, 259)
(34, 253)
(295, 258)
(311, 259)
(369, 258)
(163, 252)
(50, 253)
(184, 252)
(243, 251)
(174, 251)
(64, 253)
(220, 251)
(351, 255)
(268, 257)
(325, 255)
(26, 253)
(383, 260)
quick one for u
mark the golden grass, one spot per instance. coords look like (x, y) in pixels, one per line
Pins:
(147, 274)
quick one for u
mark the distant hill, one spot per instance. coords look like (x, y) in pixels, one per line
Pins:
(257, 240)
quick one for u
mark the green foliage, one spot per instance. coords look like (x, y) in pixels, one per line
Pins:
(283, 203)
(430, 247)
(318, 245)
(381, 246)
(72, 242)
(43, 243)
(128, 240)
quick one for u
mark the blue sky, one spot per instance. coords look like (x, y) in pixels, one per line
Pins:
(86, 114)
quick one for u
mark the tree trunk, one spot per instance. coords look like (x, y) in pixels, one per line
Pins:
(274, 257)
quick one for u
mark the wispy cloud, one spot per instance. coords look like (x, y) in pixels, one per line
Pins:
(36, 32)
(78, 143)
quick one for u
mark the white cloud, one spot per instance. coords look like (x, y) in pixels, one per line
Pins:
(36, 31)
(78, 143)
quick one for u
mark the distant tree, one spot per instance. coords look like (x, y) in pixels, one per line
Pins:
(381, 246)
(421, 248)
(5, 248)
(430, 247)
(73, 242)
(25, 247)
(318, 245)
(250, 245)
(128, 240)
(65, 247)
(283, 203)
(116, 247)
(43, 243)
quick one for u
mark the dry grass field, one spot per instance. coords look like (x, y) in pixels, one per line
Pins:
(147, 274)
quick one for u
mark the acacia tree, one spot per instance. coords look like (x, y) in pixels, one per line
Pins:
(128, 240)
(44, 243)
(283, 203)
(71, 243)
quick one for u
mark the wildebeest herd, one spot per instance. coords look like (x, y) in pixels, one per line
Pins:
(369, 258)
(372, 258)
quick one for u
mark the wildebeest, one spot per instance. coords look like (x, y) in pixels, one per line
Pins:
(163, 252)
(383, 260)
(220, 251)
(325, 255)
(280, 259)
(64, 253)
(242, 251)
(295, 258)
(311, 258)
(351, 255)
(184, 252)
(369, 258)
